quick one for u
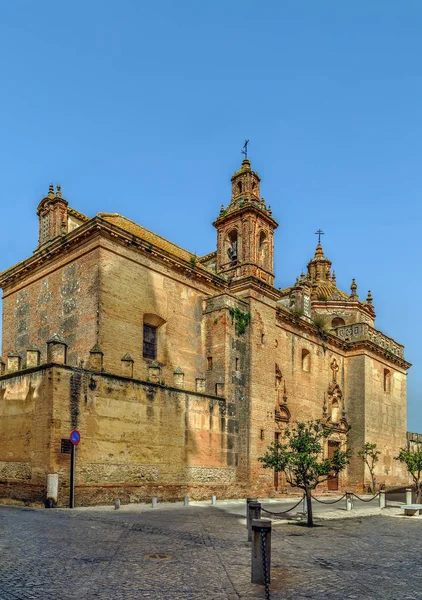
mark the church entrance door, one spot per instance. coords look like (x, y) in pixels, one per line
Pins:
(332, 447)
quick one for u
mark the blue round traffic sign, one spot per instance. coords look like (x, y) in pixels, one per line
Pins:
(75, 437)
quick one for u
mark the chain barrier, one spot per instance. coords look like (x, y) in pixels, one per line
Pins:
(265, 566)
(330, 501)
(283, 512)
(257, 513)
(363, 500)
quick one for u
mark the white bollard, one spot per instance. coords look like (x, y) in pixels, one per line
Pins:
(305, 505)
(186, 501)
(117, 504)
(349, 501)
(214, 500)
(408, 495)
(52, 490)
(382, 498)
(154, 501)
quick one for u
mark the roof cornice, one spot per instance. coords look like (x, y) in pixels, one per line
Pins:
(98, 226)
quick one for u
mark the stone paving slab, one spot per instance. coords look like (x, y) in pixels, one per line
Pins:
(99, 553)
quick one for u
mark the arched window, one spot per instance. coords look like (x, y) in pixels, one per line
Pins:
(337, 322)
(150, 335)
(232, 249)
(239, 187)
(263, 249)
(306, 360)
(387, 381)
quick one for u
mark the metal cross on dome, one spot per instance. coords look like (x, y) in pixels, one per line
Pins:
(319, 233)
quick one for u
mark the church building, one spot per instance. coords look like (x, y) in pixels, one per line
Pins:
(179, 371)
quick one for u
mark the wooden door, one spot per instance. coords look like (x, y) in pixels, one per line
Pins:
(332, 484)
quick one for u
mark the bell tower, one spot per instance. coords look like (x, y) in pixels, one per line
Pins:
(245, 229)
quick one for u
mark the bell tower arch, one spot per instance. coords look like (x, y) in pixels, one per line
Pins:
(245, 230)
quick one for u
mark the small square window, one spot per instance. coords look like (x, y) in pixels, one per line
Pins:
(150, 342)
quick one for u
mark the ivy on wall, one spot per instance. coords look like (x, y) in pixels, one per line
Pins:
(240, 319)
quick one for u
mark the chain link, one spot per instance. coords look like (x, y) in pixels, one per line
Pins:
(283, 512)
(265, 566)
(363, 500)
(330, 502)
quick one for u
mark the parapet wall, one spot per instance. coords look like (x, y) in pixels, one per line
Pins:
(138, 438)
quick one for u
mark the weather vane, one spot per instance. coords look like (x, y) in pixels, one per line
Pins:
(245, 148)
(319, 233)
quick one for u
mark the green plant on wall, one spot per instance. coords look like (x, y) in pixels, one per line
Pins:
(193, 260)
(240, 319)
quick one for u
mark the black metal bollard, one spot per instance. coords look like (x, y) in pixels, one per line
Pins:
(248, 501)
(254, 512)
(261, 551)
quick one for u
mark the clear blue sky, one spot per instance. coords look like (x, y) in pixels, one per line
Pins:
(142, 108)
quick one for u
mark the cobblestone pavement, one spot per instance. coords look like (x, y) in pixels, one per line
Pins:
(99, 553)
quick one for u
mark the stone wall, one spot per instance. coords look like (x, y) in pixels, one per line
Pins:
(138, 439)
(61, 297)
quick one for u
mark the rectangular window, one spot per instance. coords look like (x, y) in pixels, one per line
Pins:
(209, 363)
(150, 342)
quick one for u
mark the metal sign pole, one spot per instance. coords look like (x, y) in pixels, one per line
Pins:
(72, 477)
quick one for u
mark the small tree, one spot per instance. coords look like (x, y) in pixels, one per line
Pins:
(412, 458)
(369, 454)
(300, 459)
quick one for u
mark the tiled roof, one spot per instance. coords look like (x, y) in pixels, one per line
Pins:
(328, 290)
(148, 236)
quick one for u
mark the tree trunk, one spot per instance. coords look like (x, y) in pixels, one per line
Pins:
(373, 483)
(308, 493)
(418, 493)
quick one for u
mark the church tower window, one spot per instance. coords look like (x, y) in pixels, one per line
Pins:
(150, 342)
(232, 249)
(239, 187)
(337, 322)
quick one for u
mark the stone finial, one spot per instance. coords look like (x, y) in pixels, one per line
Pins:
(127, 365)
(2, 367)
(154, 372)
(59, 191)
(369, 298)
(353, 289)
(56, 350)
(334, 278)
(51, 191)
(222, 210)
(178, 377)
(32, 358)
(219, 388)
(200, 383)
(14, 362)
(96, 358)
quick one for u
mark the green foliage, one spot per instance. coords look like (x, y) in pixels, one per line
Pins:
(412, 458)
(296, 312)
(319, 322)
(193, 260)
(322, 297)
(369, 454)
(300, 458)
(240, 319)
